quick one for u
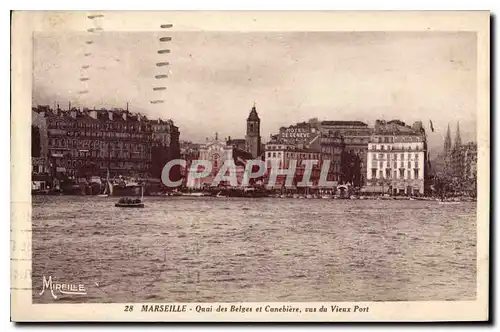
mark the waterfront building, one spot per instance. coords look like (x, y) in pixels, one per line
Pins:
(344, 143)
(397, 158)
(189, 151)
(456, 157)
(252, 138)
(351, 151)
(301, 135)
(460, 163)
(281, 152)
(164, 147)
(468, 154)
(217, 152)
(39, 144)
(332, 147)
(82, 143)
(275, 151)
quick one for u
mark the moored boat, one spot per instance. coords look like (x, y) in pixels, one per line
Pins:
(448, 202)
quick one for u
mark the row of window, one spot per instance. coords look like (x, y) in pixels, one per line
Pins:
(88, 144)
(395, 156)
(400, 174)
(75, 163)
(292, 155)
(104, 155)
(394, 164)
(402, 147)
(120, 135)
(98, 126)
(334, 166)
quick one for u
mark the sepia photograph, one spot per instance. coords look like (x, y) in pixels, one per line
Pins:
(173, 167)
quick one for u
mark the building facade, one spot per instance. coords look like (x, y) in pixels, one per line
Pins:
(469, 161)
(351, 151)
(281, 153)
(397, 159)
(217, 152)
(85, 143)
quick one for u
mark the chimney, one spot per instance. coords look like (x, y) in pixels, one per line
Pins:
(110, 115)
(93, 114)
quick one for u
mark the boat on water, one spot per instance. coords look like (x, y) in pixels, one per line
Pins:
(108, 188)
(448, 202)
(220, 194)
(195, 194)
(126, 202)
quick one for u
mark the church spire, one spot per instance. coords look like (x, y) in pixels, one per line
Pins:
(253, 116)
(447, 141)
(458, 139)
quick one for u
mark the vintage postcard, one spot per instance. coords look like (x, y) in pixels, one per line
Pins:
(250, 166)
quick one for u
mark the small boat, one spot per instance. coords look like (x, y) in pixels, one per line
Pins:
(108, 190)
(126, 202)
(448, 202)
(220, 194)
(326, 197)
(194, 194)
(130, 203)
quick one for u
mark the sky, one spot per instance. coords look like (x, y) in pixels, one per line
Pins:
(214, 78)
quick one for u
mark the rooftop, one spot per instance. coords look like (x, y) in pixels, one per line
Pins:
(344, 123)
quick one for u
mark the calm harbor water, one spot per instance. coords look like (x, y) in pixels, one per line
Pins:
(181, 249)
